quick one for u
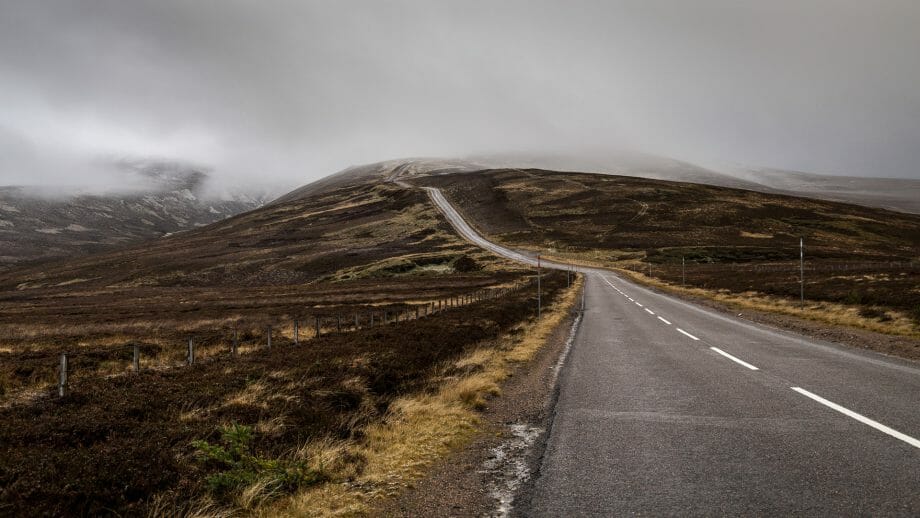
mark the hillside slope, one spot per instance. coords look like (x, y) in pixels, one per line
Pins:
(731, 240)
(155, 199)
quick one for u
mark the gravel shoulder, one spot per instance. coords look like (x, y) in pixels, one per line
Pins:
(461, 484)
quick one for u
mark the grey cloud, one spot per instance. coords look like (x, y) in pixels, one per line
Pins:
(294, 90)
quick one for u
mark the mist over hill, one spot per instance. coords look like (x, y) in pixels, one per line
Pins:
(146, 200)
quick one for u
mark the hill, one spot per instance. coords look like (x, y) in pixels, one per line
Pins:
(862, 264)
(350, 307)
(888, 193)
(153, 199)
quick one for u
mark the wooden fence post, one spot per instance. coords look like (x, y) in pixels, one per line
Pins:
(356, 321)
(191, 351)
(269, 339)
(136, 358)
(318, 330)
(236, 342)
(296, 332)
(62, 382)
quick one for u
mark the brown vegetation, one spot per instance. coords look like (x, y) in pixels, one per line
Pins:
(116, 441)
(732, 241)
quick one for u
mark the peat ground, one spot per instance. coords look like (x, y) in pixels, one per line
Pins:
(731, 241)
(121, 444)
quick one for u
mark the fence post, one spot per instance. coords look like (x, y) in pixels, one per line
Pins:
(416, 312)
(338, 324)
(296, 332)
(372, 319)
(269, 337)
(62, 383)
(136, 359)
(191, 351)
(356, 321)
(802, 270)
(539, 290)
(318, 330)
(236, 342)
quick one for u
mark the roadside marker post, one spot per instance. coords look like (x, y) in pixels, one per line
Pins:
(191, 351)
(539, 290)
(296, 332)
(318, 330)
(136, 358)
(268, 341)
(235, 344)
(802, 271)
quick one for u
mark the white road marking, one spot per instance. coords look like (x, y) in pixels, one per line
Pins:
(686, 333)
(665, 321)
(650, 312)
(734, 359)
(861, 418)
(630, 299)
(640, 305)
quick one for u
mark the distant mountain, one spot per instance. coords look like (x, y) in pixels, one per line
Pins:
(154, 199)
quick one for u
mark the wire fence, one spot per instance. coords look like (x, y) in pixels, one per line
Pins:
(228, 343)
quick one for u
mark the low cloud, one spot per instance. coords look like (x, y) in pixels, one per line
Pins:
(291, 91)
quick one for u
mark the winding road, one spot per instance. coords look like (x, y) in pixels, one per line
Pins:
(667, 408)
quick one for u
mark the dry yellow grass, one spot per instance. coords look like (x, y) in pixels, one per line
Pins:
(825, 312)
(420, 429)
(899, 324)
(756, 235)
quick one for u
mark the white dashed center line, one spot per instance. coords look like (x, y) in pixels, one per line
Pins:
(640, 305)
(861, 418)
(665, 321)
(734, 359)
(681, 331)
(650, 312)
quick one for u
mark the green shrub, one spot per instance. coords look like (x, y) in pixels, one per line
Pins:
(915, 314)
(874, 312)
(854, 297)
(465, 264)
(239, 467)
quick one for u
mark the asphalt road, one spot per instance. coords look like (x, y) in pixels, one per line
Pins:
(667, 408)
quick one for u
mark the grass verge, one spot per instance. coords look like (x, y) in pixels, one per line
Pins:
(420, 429)
(895, 322)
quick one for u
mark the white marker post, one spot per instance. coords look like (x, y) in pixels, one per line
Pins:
(802, 271)
(539, 289)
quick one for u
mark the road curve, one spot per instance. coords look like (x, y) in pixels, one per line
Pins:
(668, 408)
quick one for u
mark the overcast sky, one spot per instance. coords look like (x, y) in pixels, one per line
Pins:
(298, 90)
